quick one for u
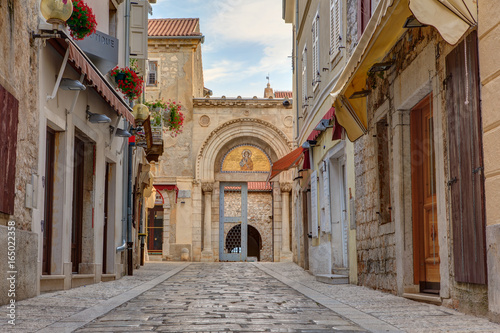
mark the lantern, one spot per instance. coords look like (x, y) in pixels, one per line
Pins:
(140, 113)
(56, 11)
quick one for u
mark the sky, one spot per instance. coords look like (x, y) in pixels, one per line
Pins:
(245, 41)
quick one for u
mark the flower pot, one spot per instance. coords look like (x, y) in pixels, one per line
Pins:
(119, 77)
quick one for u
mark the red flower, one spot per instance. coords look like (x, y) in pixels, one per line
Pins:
(82, 22)
(131, 85)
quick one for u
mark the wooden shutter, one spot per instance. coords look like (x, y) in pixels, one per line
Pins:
(9, 108)
(152, 74)
(139, 29)
(304, 77)
(364, 14)
(466, 162)
(335, 27)
(315, 49)
(314, 204)
(326, 225)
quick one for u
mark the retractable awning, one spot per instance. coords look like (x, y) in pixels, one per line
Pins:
(159, 188)
(286, 162)
(82, 64)
(452, 18)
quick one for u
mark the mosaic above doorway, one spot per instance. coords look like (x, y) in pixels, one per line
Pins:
(246, 158)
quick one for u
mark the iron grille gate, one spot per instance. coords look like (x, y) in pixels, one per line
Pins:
(233, 227)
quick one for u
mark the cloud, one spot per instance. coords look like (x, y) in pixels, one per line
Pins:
(222, 70)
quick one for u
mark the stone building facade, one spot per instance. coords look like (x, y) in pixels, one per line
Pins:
(19, 131)
(488, 32)
(191, 173)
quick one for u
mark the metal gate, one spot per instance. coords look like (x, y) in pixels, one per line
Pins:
(233, 227)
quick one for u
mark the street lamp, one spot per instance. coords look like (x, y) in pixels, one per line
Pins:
(140, 113)
(56, 11)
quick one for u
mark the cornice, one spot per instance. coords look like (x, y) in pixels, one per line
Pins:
(239, 102)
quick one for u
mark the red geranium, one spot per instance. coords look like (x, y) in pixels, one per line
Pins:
(82, 22)
(173, 117)
(128, 82)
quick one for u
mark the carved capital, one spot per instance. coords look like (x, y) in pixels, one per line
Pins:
(207, 187)
(286, 187)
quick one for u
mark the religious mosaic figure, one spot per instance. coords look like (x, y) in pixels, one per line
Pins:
(246, 163)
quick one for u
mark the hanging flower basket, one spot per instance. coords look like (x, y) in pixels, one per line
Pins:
(173, 118)
(82, 22)
(128, 82)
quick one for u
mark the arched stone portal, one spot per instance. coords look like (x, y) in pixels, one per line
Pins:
(240, 134)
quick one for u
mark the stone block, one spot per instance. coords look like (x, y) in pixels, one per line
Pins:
(491, 146)
(489, 47)
(489, 104)
(176, 251)
(492, 193)
(26, 254)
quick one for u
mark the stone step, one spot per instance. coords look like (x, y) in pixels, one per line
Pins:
(332, 278)
(426, 298)
(155, 258)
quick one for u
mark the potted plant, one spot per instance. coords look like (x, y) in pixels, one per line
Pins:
(82, 22)
(173, 118)
(129, 83)
(156, 112)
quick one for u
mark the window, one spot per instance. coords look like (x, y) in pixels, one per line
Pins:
(364, 14)
(153, 73)
(113, 17)
(335, 27)
(315, 51)
(304, 77)
(384, 172)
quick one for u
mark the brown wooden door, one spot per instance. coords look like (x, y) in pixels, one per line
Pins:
(49, 200)
(78, 179)
(425, 227)
(306, 199)
(155, 230)
(466, 182)
(105, 225)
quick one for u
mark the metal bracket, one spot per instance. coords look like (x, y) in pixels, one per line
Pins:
(59, 77)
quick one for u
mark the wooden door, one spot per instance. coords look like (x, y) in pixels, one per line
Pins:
(425, 227)
(49, 200)
(105, 224)
(155, 230)
(78, 179)
(306, 199)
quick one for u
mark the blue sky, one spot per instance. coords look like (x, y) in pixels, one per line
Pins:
(244, 41)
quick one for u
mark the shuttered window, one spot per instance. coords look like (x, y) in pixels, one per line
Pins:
(364, 14)
(326, 225)
(315, 51)
(466, 162)
(152, 73)
(304, 78)
(335, 27)
(314, 204)
(9, 108)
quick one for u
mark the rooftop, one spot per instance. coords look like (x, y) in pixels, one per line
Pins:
(174, 27)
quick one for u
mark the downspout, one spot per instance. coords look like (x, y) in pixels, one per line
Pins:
(130, 241)
(124, 201)
(295, 67)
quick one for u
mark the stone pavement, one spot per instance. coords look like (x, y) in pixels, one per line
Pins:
(232, 297)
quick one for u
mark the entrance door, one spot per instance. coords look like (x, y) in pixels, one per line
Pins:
(155, 230)
(425, 228)
(233, 229)
(105, 227)
(49, 196)
(76, 230)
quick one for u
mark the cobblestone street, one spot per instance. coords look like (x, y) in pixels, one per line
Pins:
(232, 297)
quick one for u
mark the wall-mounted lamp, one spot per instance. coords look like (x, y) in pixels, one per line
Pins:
(381, 66)
(55, 11)
(360, 94)
(96, 118)
(69, 84)
(412, 22)
(120, 132)
(309, 144)
(140, 113)
(323, 125)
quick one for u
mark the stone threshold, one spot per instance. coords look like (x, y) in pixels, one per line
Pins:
(332, 278)
(426, 298)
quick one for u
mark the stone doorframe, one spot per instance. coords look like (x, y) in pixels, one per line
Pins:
(207, 184)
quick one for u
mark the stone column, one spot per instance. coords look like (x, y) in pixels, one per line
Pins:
(207, 254)
(286, 254)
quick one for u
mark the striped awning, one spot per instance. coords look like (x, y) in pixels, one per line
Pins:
(286, 162)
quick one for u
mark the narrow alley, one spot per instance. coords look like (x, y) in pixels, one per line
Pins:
(233, 297)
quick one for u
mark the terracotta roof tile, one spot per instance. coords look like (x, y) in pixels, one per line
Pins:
(174, 27)
(283, 94)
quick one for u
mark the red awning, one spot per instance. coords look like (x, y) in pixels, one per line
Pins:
(286, 162)
(329, 115)
(168, 188)
(82, 64)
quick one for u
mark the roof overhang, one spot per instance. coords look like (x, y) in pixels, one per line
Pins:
(287, 11)
(82, 64)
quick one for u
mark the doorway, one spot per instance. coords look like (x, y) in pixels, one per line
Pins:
(78, 183)
(155, 231)
(233, 229)
(423, 174)
(49, 198)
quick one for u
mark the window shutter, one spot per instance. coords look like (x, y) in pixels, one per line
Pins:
(9, 108)
(335, 27)
(152, 75)
(315, 51)
(466, 162)
(326, 225)
(314, 204)
(364, 14)
(139, 29)
(304, 77)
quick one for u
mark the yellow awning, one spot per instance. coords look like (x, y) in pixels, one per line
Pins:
(452, 18)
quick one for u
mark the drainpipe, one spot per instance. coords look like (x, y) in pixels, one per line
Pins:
(127, 32)
(295, 67)
(124, 201)
(130, 241)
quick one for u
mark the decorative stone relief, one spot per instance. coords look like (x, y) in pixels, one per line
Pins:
(288, 121)
(204, 121)
(246, 113)
(286, 187)
(207, 187)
